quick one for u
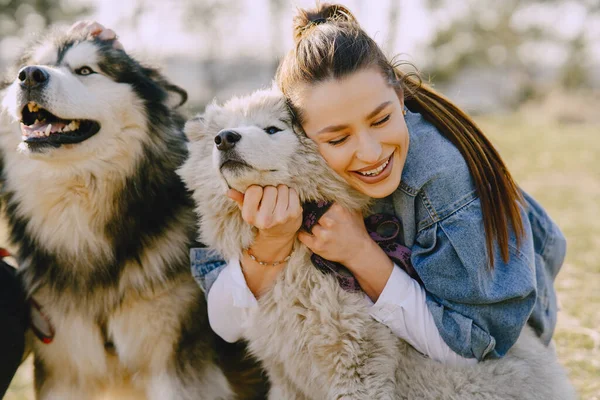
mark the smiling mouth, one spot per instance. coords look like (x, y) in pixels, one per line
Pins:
(373, 172)
(40, 127)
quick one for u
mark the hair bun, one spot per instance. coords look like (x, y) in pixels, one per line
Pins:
(323, 13)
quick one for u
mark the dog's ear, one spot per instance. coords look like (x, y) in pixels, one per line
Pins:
(195, 128)
(177, 96)
(203, 124)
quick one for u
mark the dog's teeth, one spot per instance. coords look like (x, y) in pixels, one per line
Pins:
(30, 106)
(36, 121)
(48, 129)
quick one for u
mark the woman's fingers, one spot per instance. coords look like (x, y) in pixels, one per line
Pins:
(78, 26)
(265, 217)
(273, 210)
(96, 29)
(281, 206)
(107, 34)
(252, 199)
(294, 206)
(236, 196)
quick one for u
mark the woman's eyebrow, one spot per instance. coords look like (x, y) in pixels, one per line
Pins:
(335, 128)
(378, 109)
(332, 128)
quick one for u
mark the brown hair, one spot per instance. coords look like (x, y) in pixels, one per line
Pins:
(329, 43)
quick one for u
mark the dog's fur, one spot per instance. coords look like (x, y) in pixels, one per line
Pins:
(316, 340)
(102, 230)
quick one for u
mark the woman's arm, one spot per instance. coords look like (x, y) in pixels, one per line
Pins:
(277, 214)
(402, 307)
(229, 301)
(340, 235)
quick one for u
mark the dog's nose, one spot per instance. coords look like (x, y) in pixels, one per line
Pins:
(225, 140)
(33, 77)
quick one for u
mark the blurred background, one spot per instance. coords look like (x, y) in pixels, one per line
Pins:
(528, 70)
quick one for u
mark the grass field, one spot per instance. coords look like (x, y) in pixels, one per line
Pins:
(559, 164)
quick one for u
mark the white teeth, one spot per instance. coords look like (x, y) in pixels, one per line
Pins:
(48, 129)
(375, 171)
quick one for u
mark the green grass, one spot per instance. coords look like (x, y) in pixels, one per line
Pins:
(559, 165)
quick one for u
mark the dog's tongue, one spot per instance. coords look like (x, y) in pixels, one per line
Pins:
(41, 127)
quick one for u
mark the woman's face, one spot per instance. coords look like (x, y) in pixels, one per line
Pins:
(358, 125)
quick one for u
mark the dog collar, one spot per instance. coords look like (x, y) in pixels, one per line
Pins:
(40, 323)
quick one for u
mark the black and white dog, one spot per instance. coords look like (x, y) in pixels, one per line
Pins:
(102, 225)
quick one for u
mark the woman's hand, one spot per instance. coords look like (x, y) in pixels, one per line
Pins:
(274, 211)
(341, 236)
(277, 214)
(98, 30)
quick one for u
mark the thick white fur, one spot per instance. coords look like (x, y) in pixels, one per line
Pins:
(67, 194)
(316, 340)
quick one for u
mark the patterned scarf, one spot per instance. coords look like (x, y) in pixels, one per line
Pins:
(384, 229)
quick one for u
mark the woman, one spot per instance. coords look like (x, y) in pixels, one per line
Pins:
(485, 252)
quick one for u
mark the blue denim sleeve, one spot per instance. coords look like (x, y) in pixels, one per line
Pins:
(206, 265)
(479, 311)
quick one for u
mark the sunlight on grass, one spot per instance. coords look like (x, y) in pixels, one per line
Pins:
(558, 165)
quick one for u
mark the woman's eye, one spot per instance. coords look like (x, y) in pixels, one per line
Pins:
(272, 130)
(382, 120)
(84, 71)
(338, 141)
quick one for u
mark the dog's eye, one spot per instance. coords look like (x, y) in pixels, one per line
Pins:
(272, 129)
(84, 71)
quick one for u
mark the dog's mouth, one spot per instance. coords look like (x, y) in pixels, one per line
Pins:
(232, 162)
(40, 127)
(234, 165)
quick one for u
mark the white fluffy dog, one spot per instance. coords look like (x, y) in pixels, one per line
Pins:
(316, 340)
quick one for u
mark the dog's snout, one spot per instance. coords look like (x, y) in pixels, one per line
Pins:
(225, 140)
(33, 77)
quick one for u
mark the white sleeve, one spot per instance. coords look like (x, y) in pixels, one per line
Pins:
(402, 307)
(229, 302)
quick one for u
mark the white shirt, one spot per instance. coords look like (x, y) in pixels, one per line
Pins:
(401, 306)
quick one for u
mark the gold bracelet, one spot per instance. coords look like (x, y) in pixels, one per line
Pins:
(271, 264)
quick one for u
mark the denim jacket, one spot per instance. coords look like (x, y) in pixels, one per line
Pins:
(478, 311)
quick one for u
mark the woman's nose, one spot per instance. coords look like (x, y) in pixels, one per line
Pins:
(369, 148)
